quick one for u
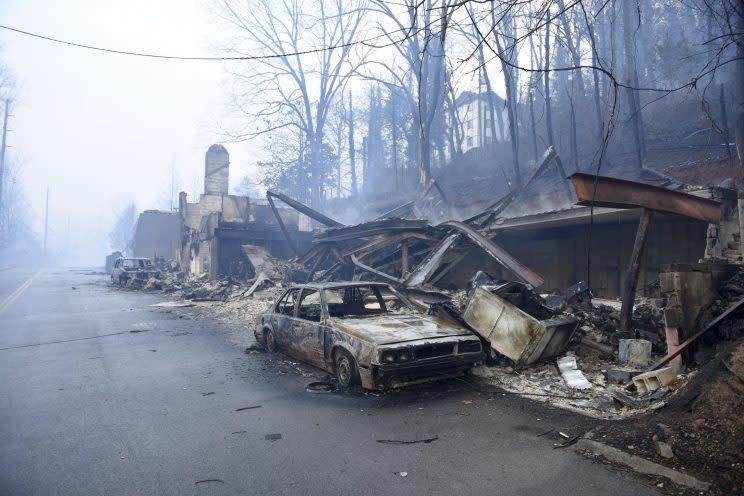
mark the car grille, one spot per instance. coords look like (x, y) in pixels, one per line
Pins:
(433, 350)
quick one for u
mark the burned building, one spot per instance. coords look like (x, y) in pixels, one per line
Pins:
(215, 227)
(565, 240)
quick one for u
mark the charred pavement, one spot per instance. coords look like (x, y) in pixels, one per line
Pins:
(102, 393)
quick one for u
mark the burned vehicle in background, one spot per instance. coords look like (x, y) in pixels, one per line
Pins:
(366, 332)
(128, 270)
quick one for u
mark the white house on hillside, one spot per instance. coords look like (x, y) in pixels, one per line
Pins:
(473, 111)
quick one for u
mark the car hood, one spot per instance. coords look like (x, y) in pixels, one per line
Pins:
(389, 329)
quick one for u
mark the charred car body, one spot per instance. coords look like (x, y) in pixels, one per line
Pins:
(366, 332)
(129, 269)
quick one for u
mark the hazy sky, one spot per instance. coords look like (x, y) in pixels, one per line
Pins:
(101, 130)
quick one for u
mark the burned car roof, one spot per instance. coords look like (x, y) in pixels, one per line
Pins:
(343, 284)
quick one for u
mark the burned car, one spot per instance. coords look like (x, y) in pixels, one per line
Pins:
(130, 269)
(366, 332)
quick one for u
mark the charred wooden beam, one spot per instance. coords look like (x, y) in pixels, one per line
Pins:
(398, 211)
(374, 271)
(499, 206)
(523, 273)
(426, 268)
(404, 257)
(631, 277)
(303, 209)
(289, 238)
(372, 228)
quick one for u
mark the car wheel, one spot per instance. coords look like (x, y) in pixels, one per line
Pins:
(270, 341)
(346, 368)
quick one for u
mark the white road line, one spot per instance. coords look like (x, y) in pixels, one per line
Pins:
(18, 292)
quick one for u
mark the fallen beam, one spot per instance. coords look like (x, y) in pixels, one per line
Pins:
(602, 191)
(500, 205)
(304, 209)
(426, 268)
(279, 220)
(523, 273)
(372, 228)
(374, 271)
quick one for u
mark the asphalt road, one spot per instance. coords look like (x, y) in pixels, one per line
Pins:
(89, 407)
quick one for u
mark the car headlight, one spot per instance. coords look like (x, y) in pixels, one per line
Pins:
(388, 356)
(404, 356)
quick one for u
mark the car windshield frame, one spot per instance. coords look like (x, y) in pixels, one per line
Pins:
(376, 290)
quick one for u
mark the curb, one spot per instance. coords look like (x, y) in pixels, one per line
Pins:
(640, 465)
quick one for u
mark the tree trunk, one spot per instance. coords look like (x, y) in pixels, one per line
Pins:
(597, 102)
(534, 127)
(574, 139)
(548, 113)
(424, 157)
(352, 150)
(511, 101)
(739, 80)
(532, 86)
(394, 138)
(573, 49)
(631, 79)
(365, 165)
(316, 168)
(724, 125)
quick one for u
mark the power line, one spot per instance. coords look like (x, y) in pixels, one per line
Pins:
(179, 57)
(408, 32)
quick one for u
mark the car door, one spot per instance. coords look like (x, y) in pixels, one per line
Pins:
(283, 317)
(307, 329)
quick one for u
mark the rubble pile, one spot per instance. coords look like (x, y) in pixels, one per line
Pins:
(701, 425)
(525, 332)
(731, 291)
(601, 323)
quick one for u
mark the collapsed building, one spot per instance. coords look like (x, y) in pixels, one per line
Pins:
(214, 228)
(589, 229)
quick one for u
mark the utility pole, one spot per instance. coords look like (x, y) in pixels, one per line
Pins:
(46, 222)
(2, 151)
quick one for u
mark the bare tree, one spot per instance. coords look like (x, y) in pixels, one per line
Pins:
(419, 72)
(289, 88)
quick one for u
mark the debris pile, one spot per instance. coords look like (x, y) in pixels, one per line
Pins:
(701, 428)
(608, 346)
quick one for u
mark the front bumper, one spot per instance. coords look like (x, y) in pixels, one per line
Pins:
(392, 375)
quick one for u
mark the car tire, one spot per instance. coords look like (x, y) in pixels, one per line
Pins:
(270, 341)
(345, 366)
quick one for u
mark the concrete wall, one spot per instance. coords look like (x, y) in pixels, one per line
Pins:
(193, 213)
(235, 208)
(157, 234)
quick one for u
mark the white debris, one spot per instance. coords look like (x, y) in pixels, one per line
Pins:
(174, 304)
(571, 374)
